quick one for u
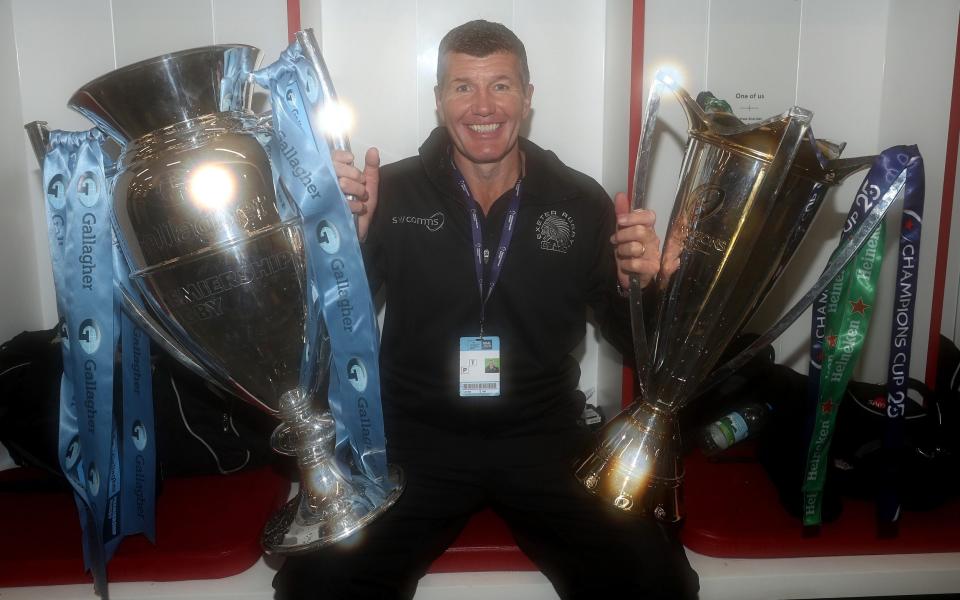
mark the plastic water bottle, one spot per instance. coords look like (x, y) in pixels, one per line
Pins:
(735, 426)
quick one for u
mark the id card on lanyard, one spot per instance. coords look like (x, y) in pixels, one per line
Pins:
(479, 366)
(480, 355)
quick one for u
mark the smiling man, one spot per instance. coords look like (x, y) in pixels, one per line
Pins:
(491, 250)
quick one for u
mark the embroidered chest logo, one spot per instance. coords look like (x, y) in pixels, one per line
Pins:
(432, 223)
(556, 231)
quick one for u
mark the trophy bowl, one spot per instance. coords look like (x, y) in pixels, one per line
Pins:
(216, 252)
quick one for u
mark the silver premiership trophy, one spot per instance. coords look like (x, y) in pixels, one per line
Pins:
(746, 197)
(199, 214)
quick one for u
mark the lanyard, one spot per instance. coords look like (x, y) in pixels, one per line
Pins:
(479, 253)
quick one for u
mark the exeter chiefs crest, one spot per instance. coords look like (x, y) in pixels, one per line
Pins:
(556, 231)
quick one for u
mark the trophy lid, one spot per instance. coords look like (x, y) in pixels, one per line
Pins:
(158, 92)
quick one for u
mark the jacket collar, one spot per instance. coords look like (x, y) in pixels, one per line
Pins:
(546, 180)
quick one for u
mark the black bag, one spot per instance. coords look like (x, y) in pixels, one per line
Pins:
(199, 428)
(947, 394)
(925, 468)
(922, 469)
(30, 368)
(203, 430)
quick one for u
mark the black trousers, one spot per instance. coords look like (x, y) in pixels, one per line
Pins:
(586, 550)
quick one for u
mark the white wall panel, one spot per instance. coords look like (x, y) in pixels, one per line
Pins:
(144, 29)
(675, 38)
(371, 52)
(617, 72)
(53, 64)
(752, 55)
(840, 71)
(20, 291)
(566, 52)
(260, 23)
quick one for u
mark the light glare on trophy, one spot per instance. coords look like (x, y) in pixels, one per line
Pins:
(745, 199)
(211, 245)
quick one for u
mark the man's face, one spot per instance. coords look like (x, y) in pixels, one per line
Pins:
(481, 102)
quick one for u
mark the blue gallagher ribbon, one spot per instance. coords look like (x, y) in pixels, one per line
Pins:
(891, 164)
(137, 426)
(335, 267)
(57, 173)
(898, 369)
(84, 272)
(112, 471)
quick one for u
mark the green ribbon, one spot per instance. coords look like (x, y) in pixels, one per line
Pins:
(848, 311)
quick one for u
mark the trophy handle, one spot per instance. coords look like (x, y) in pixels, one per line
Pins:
(39, 135)
(638, 198)
(338, 140)
(843, 255)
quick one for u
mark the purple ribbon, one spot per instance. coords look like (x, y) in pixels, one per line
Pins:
(506, 235)
(901, 337)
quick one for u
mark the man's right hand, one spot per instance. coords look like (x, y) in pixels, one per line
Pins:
(363, 186)
(636, 245)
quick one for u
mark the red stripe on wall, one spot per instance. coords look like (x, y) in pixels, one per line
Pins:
(636, 112)
(293, 19)
(946, 215)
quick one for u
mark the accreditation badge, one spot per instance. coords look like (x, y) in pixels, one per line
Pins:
(479, 366)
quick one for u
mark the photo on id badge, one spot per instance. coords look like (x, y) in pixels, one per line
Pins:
(480, 366)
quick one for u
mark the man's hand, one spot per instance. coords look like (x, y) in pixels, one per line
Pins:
(636, 245)
(361, 185)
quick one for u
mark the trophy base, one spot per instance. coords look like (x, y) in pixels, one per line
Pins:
(287, 532)
(637, 467)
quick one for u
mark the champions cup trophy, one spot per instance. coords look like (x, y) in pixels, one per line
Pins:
(216, 251)
(746, 197)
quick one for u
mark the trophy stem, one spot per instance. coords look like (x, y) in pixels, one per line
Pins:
(329, 506)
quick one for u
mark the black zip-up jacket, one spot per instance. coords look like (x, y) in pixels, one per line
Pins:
(560, 261)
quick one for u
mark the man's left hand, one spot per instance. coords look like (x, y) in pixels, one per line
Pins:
(636, 245)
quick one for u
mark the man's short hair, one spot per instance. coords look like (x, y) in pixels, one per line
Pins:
(482, 38)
